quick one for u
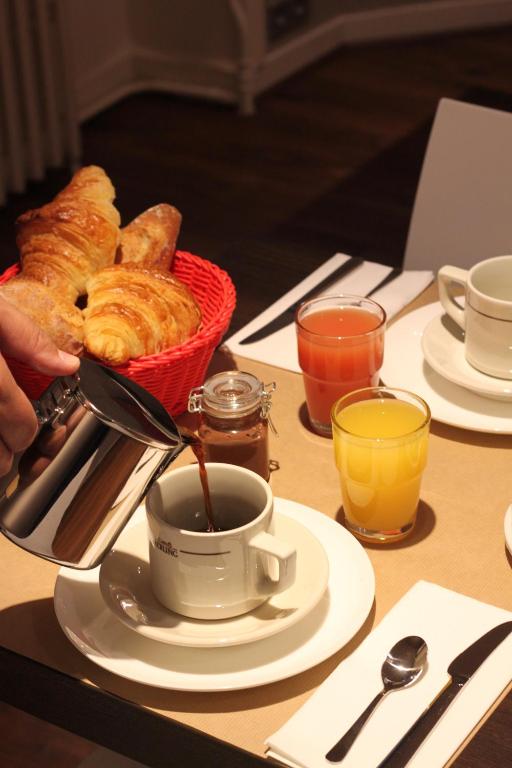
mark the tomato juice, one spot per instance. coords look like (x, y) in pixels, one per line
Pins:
(340, 349)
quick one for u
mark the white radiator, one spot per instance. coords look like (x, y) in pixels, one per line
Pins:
(38, 125)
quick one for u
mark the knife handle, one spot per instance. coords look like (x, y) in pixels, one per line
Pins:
(287, 316)
(418, 732)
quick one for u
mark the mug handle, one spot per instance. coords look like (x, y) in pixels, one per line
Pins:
(446, 277)
(286, 556)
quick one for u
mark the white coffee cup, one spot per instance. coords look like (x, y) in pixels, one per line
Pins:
(486, 316)
(226, 573)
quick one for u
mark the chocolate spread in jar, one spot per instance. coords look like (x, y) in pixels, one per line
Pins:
(233, 420)
(245, 444)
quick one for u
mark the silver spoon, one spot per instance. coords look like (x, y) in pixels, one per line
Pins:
(403, 665)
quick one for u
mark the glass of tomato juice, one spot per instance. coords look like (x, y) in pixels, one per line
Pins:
(380, 440)
(341, 345)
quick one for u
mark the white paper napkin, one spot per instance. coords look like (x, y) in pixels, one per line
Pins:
(449, 622)
(280, 348)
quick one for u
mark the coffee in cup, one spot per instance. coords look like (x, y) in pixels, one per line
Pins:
(486, 316)
(215, 575)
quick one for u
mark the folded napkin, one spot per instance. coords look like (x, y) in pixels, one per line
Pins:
(448, 622)
(280, 348)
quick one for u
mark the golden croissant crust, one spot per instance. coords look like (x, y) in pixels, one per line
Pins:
(150, 239)
(73, 247)
(134, 311)
(60, 318)
(65, 241)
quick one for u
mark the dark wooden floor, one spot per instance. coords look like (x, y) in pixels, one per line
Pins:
(315, 165)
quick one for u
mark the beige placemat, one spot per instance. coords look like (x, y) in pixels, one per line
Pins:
(458, 543)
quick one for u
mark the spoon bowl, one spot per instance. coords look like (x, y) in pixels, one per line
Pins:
(404, 664)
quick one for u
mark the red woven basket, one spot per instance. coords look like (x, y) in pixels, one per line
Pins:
(169, 375)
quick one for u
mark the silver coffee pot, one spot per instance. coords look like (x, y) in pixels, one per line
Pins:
(102, 441)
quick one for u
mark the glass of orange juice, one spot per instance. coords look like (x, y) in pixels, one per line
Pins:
(340, 344)
(380, 445)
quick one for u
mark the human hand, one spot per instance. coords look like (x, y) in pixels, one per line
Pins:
(22, 340)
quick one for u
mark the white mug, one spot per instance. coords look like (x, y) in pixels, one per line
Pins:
(221, 574)
(486, 317)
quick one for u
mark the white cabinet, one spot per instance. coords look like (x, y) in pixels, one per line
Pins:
(222, 49)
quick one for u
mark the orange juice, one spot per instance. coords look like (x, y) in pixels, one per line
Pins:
(340, 347)
(380, 446)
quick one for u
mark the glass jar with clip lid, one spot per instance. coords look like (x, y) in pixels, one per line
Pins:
(233, 408)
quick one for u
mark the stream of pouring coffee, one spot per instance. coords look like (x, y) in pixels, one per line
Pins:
(198, 449)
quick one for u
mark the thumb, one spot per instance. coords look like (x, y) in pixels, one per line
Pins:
(23, 340)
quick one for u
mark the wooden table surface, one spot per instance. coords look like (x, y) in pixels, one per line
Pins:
(43, 674)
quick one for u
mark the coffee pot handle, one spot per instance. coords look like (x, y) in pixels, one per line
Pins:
(447, 278)
(286, 557)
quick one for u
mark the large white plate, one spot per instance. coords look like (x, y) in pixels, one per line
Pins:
(125, 584)
(404, 366)
(95, 632)
(442, 343)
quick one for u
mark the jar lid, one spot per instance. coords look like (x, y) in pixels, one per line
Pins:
(230, 394)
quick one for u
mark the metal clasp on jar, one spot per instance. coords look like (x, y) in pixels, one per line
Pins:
(266, 404)
(195, 400)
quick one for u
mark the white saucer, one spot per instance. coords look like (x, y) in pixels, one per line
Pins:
(443, 346)
(508, 529)
(125, 584)
(404, 366)
(96, 632)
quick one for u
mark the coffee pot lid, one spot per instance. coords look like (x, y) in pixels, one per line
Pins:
(123, 404)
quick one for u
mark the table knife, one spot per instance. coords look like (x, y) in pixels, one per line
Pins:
(395, 272)
(460, 670)
(288, 315)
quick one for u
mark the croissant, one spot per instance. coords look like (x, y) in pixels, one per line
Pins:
(65, 241)
(59, 317)
(134, 311)
(150, 239)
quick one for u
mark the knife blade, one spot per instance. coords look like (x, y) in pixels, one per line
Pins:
(461, 669)
(288, 315)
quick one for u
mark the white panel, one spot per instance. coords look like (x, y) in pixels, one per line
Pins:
(51, 119)
(31, 108)
(461, 212)
(38, 127)
(11, 117)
